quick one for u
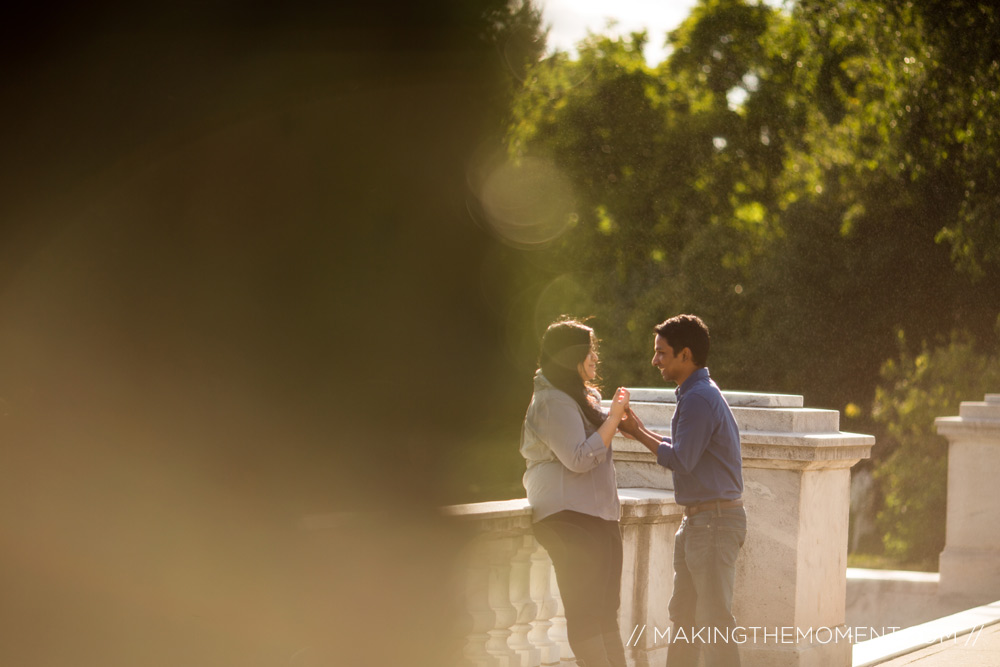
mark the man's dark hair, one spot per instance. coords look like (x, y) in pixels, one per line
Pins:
(686, 331)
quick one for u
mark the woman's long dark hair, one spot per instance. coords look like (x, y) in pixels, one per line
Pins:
(565, 344)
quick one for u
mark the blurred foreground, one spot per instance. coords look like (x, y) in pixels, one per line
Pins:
(239, 286)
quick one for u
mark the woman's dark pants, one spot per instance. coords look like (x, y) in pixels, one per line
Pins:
(586, 552)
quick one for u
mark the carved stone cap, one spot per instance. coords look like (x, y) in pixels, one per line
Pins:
(776, 431)
(974, 417)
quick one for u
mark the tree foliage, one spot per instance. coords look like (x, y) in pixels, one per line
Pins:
(810, 179)
(784, 173)
(915, 390)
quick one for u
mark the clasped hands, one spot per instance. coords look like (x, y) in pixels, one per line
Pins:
(629, 424)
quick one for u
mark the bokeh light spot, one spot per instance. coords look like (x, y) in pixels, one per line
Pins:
(528, 204)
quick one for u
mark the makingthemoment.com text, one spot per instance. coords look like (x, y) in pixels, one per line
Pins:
(762, 635)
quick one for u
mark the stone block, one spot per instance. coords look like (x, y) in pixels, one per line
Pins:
(970, 561)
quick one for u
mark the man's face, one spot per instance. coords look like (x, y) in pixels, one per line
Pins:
(665, 359)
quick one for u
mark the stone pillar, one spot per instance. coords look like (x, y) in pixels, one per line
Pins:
(791, 578)
(970, 562)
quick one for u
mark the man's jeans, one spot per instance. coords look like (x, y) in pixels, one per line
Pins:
(701, 608)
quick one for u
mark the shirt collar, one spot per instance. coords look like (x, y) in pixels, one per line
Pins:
(696, 377)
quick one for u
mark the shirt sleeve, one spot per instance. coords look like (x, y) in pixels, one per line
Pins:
(559, 424)
(695, 426)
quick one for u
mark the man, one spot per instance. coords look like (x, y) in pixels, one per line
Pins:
(703, 452)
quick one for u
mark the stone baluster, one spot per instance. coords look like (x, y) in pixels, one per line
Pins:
(501, 552)
(524, 606)
(558, 631)
(546, 605)
(477, 605)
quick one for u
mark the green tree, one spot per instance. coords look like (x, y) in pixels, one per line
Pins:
(860, 211)
(913, 466)
(811, 181)
(955, 132)
(673, 189)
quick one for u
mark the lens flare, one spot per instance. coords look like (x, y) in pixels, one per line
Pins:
(529, 204)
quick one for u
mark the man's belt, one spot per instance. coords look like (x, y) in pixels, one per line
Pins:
(713, 505)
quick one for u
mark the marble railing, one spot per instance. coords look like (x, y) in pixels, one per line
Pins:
(511, 595)
(791, 575)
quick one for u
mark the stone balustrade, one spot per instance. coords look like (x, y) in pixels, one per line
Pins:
(510, 590)
(791, 575)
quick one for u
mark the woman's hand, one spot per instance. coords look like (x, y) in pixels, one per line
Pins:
(619, 404)
(618, 411)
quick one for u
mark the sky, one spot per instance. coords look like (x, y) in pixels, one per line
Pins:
(569, 21)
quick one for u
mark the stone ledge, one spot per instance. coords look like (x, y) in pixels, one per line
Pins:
(982, 410)
(492, 509)
(837, 439)
(986, 411)
(636, 502)
(643, 503)
(893, 598)
(917, 637)
(787, 420)
(650, 412)
(894, 578)
(637, 471)
(779, 419)
(770, 445)
(965, 426)
(748, 399)
(643, 496)
(622, 445)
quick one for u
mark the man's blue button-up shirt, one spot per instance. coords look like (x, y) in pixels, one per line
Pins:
(703, 449)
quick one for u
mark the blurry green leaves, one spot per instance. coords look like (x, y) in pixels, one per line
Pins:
(915, 390)
(674, 175)
(751, 213)
(605, 225)
(798, 174)
(713, 46)
(811, 181)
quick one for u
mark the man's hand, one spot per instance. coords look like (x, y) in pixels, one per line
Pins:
(633, 428)
(630, 425)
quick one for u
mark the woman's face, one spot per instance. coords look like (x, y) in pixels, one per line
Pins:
(588, 367)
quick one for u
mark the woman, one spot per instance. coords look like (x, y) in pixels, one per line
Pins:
(570, 480)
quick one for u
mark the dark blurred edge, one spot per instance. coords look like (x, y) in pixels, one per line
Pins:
(239, 286)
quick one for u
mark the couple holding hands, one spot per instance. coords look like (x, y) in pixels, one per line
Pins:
(570, 484)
